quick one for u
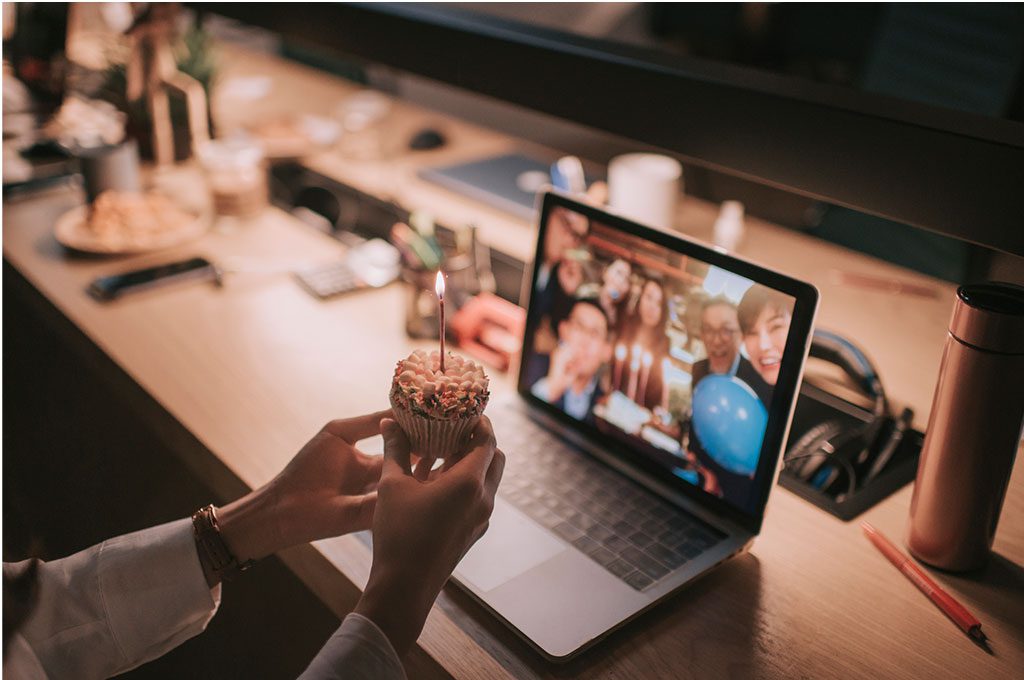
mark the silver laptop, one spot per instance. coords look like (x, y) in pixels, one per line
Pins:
(655, 392)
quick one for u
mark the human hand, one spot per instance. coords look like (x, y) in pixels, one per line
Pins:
(327, 489)
(562, 371)
(422, 529)
(710, 482)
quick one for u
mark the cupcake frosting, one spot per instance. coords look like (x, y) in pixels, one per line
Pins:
(420, 386)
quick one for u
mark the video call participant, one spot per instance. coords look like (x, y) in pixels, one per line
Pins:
(764, 317)
(648, 328)
(558, 275)
(720, 333)
(614, 293)
(571, 377)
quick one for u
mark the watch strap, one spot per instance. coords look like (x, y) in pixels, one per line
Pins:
(211, 546)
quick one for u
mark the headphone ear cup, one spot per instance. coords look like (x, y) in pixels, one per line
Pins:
(807, 455)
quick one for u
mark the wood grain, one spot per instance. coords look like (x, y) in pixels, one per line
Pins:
(252, 370)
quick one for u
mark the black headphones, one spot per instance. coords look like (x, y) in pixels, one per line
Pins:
(830, 448)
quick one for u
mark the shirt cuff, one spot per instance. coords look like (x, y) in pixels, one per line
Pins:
(154, 590)
(358, 650)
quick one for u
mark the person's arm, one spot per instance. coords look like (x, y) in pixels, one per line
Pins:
(421, 529)
(358, 650)
(114, 606)
(561, 373)
(132, 598)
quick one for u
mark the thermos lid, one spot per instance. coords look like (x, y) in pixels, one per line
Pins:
(990, 317)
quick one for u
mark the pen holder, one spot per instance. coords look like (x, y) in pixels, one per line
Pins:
(421, 308)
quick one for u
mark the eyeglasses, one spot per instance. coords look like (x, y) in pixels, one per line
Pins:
(720, 332)
(591, 332)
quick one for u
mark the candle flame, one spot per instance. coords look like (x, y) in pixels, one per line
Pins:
(439, 285)
(620, 352)
(647, 359)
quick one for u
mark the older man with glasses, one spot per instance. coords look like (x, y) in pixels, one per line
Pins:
(721, 335)
(720, 332)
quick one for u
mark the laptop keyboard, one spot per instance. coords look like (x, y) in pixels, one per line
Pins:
(627, 530)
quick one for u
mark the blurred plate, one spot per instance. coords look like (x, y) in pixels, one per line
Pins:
(72, 231)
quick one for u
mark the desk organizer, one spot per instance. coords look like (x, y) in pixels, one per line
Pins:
(815, 406)
(347, 209)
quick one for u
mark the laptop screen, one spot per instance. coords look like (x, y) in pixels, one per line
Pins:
(647, 343)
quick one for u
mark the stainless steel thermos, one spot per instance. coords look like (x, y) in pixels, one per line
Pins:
(973, 431)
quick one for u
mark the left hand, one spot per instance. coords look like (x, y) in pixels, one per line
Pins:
(329, 488)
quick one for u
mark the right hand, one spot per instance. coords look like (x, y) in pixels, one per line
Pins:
(422, 529)
(562, 371)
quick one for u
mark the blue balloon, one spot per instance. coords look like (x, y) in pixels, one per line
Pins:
(729, 420)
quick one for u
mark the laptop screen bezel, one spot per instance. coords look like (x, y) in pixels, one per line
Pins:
(805, 298)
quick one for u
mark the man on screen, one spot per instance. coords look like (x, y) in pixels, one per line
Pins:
(572, 377)
(558, 273)
(720, 333)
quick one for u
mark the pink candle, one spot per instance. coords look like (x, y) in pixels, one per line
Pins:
(439, 289)
(666, 367)
(620, 361)
(634, 372)
(646, 361)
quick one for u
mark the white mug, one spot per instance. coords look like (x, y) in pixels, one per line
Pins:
(645, 187)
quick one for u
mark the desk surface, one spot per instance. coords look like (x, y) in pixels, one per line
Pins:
(252, 371)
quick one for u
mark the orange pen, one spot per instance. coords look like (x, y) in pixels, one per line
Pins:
(943, 600)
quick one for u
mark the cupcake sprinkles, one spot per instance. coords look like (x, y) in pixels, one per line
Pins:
(423, 389)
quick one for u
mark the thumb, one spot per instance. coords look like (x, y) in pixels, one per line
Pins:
(396, 449)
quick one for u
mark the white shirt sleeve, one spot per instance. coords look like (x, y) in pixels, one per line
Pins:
(114, 606)
(358, 650)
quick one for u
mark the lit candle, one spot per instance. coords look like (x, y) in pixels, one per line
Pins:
(620, 361)
(634, 371)
(646, 360)
(439, 289)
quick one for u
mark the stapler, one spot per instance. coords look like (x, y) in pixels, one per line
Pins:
(490, 329)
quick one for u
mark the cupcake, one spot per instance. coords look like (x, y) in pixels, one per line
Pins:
(438, 411)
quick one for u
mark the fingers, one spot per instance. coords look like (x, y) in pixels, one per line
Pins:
(494, 472)
(396, 449)
(373, 466)
(477, 461)
(355, 429)
(423, 468)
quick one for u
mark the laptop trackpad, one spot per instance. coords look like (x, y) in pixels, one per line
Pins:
(513, 544)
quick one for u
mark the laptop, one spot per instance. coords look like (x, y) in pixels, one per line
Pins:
(635, 463)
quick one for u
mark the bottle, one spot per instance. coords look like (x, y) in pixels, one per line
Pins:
(729, 228)
(973, 431)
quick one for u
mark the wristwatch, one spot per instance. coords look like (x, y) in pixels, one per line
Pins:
(213, 551)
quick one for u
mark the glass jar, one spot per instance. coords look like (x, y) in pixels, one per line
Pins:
(236, 175)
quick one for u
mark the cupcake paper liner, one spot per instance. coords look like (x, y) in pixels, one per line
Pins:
(439, 438)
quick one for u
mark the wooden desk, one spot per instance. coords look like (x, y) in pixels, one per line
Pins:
(249, 372)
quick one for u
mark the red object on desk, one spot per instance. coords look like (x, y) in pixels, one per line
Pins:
(943, 600)
(490, 329)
